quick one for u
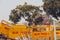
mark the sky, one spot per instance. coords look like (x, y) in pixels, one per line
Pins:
(7, 5)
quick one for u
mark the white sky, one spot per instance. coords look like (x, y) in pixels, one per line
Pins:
(7, 5)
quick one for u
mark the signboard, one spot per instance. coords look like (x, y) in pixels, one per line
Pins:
(40, 34)
(14, 33)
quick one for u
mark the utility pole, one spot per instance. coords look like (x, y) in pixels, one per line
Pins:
(54, 22)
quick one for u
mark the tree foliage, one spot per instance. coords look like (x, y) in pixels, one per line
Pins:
(52, 7)
(28, 12)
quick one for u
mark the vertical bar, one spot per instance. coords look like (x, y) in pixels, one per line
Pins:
(54, 30)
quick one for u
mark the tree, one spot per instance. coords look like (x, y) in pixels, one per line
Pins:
(51, 7)
(28, 12)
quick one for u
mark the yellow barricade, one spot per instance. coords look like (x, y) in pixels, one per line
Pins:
(18, 30)
(58, 32)
(21, 29)
(4, 29)
(16, 33)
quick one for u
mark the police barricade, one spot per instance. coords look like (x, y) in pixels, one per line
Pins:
(21, 34)
(21, 28)
(5, 29)
(42, 32)
(19, 31)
